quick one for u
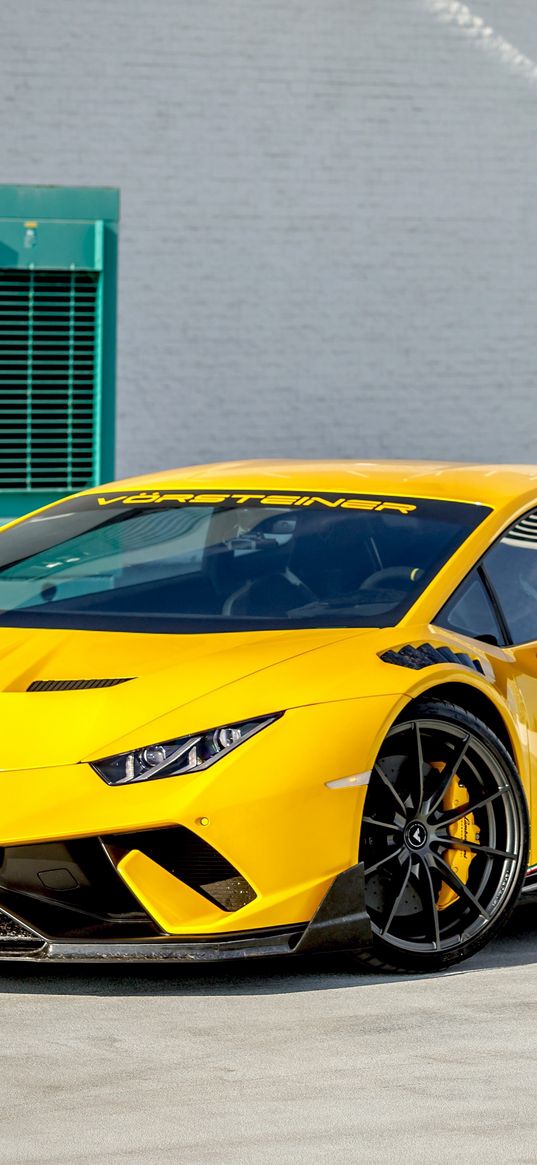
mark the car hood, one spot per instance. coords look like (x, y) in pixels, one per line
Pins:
(174, 684)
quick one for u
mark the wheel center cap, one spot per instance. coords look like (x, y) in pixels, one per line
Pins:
(416, 835)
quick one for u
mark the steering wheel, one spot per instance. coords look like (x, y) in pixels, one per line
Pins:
(390, 576)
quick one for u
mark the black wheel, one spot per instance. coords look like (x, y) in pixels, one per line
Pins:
(444, 839)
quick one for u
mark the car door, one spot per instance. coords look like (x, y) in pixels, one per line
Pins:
(510, 572)
(497, 604)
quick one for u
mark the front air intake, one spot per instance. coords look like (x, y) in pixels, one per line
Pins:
(190, 859)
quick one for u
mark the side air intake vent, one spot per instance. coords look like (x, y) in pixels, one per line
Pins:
(73, 685)
(427, 655)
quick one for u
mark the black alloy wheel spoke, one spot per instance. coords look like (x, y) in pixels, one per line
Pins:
(460, 888)
(386, 781)
(470, 807)
(428, 898)
(419, 765)
(388, 858)
(398, 897)
(475, 847)
(448, 773)
(390, 825)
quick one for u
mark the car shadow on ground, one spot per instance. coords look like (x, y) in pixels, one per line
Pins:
(516, 946)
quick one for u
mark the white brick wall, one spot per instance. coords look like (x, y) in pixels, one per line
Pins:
(328, 239)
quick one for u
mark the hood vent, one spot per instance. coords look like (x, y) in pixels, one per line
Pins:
(74, 685)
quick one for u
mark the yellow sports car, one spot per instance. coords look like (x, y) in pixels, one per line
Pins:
(266, 708)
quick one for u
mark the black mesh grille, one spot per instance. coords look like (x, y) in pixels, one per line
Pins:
(47, 378)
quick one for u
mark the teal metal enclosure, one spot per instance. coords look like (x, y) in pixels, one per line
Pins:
(58, 280)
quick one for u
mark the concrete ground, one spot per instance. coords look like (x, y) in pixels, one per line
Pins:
(272, 1063)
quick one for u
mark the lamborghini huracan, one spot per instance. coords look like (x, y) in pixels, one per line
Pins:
(270, 708)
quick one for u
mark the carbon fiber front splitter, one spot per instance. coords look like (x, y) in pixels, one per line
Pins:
(340, 923)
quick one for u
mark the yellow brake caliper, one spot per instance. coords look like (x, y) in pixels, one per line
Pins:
(465, 829)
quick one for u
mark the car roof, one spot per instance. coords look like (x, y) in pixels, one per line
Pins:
(492, 485)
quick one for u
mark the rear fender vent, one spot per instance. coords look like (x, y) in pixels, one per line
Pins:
(74, 685)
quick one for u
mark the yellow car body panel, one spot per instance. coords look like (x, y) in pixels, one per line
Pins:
(277, 808)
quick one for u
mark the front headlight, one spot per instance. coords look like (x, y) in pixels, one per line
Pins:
(174, 757)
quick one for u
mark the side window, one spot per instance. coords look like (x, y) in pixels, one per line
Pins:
(469, 611)
(511, 567)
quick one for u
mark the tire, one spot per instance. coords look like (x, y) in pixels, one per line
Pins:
(440, 883)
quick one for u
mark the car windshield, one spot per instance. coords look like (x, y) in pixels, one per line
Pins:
(197, 562)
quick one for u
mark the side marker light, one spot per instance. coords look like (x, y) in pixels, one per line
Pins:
(348, 782)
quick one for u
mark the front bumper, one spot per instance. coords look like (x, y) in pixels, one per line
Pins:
(340, 924)
(235, 861)
(260, 837)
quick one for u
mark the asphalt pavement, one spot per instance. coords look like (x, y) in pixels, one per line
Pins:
(273, 1062)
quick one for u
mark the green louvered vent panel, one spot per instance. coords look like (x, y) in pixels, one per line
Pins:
(48, 379)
